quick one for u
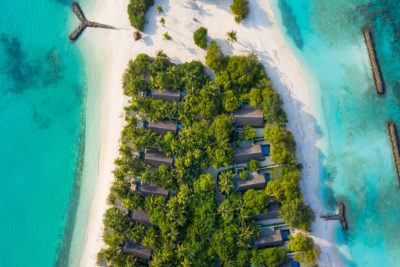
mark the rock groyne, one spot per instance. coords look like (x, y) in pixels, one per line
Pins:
(394, 138)
(380, 87)
(84, 23)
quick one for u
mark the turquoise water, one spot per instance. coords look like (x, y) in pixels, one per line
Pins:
(356, 157)
(42, 101)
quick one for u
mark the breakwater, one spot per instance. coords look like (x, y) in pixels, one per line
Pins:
(380, 88)
(394, 138)
(84, 23)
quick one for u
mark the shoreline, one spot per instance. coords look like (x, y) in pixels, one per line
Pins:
(258, 33)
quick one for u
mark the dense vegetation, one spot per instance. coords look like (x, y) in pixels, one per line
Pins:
(200, 37)
(194, 229)
(137, 11)
(240, 8)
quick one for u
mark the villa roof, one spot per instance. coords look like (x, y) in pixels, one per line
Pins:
(137, 249)
(166, 95)
(245, 154)
(273, 239)
(147, 189)
(163, 127)
(141, 216)
(254, 181)
(249, 115)
(156, 158)
(272, 213)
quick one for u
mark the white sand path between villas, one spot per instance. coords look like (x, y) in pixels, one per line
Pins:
(259, 34)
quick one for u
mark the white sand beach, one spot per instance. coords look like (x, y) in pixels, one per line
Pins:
(258, 33)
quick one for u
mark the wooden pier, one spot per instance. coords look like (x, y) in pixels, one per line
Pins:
(394, 138)
(340, 216)
(380, 87)
(84, 23)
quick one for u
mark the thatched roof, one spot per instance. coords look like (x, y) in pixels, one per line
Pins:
(147, 189)
(272, 213)
(254, 181)
(271, 239)
(137, 35)
(137, 249)
(245, 154)
(166, 95)
(141, 216)
(156, 158)
(249, 116)
(163, 127)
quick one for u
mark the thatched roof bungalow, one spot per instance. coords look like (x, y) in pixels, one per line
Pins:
(141, 216)
(163, 127)
(254, 181)
(271, 239)
(138, 250)
(147, 189)
(157, 158)
(166, 95)
(272, 213)
(249, 116)
(245, 154)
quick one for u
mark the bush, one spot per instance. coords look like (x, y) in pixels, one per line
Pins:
(167, 36)
(137, 11)
(200, 37)
(215, 59)
(240, 8)
(254, 165)
(243, 176)
(303, 245)
(249, 133)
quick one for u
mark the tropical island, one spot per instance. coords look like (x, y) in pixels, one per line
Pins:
(207, 173)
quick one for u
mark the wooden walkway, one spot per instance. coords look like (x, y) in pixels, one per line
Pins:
(84, 23)
(340, 216)
(380, 87)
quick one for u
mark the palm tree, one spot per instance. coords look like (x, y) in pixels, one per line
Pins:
(231, 37)
(225, 183)
(160, 9)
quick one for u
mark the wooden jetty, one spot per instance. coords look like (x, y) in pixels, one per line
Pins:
(340, 216)
(84, 23)
(380, 87)
(394, 138)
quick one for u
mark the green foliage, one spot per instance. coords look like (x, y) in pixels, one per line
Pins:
(137, 11)
(162, 21)
(243, 176)
(297, 214)
(231, 37)
(222, 127)
(167, 36)
(193, 230)
(215, 59)
(225, 182)
(254, 165)
(306, 252)
(283, 144)
(240, 8)
(249, 133)
(200, 37)
(271, 257)
(272, 107)
(160, 9)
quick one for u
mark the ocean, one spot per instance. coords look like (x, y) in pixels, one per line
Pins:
(43, 117)
(356, 159)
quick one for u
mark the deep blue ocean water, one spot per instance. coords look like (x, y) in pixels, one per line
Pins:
(357, 165)
(42, 101)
